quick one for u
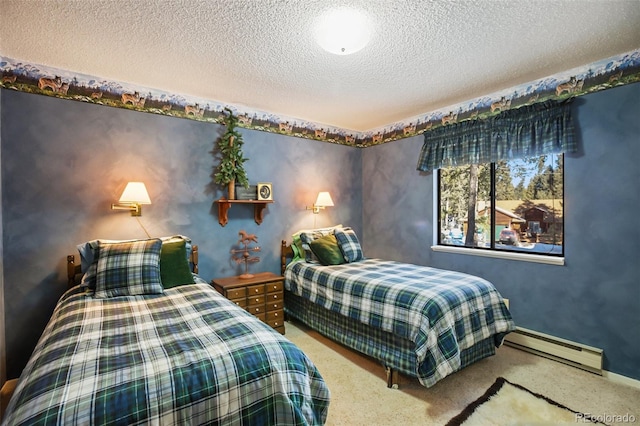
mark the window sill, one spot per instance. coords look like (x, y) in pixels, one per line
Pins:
(524, 257)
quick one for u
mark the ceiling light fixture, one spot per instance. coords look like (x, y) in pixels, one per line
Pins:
(343, 30)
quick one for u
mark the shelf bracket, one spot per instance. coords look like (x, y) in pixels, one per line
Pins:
(258, 212)
(223, 209)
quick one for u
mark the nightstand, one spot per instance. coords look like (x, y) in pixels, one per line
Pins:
(262, 295)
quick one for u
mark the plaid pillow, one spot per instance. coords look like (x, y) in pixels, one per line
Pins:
(89, 260)
(305, 239)
(128, 269)
(349, 245)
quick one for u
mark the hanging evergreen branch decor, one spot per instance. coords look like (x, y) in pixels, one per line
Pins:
(231, 170)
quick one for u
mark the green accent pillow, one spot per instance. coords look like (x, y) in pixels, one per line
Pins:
(174, 267)
(327, 250)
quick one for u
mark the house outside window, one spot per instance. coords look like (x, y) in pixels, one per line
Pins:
(511, 205)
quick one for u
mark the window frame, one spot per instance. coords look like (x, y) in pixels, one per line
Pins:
(490, 252)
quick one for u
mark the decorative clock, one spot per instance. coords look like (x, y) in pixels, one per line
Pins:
(265, 192)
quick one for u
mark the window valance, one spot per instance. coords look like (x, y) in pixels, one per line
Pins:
(528, 131)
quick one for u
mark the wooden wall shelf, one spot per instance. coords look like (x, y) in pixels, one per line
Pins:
(224, 205)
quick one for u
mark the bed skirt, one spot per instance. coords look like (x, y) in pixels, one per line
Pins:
(392, 351)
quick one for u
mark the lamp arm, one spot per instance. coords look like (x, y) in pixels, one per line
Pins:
(134, 208)
(316, 209)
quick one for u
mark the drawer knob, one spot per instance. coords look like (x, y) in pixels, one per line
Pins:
(275, 296)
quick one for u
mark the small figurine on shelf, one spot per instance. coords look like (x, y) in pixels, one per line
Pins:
(245, 240)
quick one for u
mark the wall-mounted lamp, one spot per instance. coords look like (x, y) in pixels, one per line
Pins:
(323, 200)
(134, 195)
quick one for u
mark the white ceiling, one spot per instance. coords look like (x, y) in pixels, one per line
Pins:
(423, 55)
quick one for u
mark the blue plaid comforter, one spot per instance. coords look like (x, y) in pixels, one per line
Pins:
(442, 312)
(186, 357)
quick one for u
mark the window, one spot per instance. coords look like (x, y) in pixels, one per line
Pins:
(511, 205)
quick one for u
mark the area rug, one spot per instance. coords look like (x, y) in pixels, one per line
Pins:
(506, 403)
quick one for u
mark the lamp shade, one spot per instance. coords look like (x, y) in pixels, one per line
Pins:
(135, 192)
(324, 200)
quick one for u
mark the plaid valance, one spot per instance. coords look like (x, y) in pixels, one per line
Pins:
(528, 131)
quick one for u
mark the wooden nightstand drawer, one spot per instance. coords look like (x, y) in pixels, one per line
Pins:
(255, 290)
(274, 306)
(275, 315)
(277, 323)
(255, 309)
(240, 302)
(235, 293)
(255, 300)
(274, 297)
(276, 286)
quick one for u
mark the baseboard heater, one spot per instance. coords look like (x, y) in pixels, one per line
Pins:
(572, 353)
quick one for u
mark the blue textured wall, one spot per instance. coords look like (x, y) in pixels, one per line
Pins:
(594, 299)
(65, 162)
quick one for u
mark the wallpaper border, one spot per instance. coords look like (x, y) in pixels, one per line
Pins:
(43, 80)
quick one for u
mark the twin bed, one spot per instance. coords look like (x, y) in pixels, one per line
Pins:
(423, 322)
(143, 344)
(144, 340)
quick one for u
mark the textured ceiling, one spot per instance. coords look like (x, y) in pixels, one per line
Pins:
(423, 55)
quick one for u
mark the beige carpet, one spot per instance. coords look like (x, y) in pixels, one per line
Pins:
(359, 395)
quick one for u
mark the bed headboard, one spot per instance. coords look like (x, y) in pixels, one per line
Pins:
(74, 272)
(286, 255)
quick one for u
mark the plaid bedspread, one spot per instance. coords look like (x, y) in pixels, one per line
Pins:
(186, 357)
(442, 312)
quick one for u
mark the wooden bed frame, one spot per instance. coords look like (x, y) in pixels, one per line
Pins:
(74, 272)
(342, 326)
(286, 255)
